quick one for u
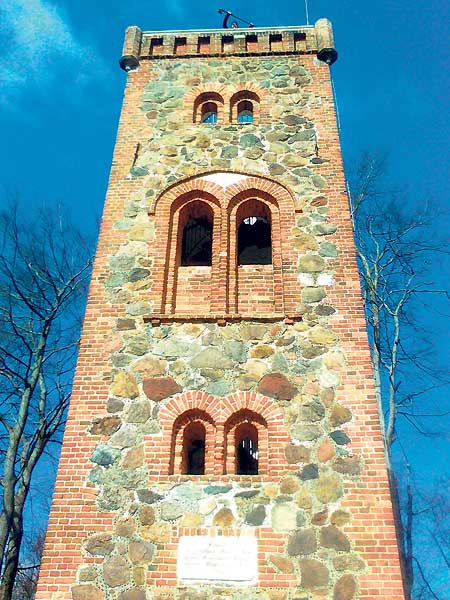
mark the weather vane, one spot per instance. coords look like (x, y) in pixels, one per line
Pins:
(234, 24)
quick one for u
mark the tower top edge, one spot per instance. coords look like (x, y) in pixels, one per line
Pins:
(317, 38)
(227, 31)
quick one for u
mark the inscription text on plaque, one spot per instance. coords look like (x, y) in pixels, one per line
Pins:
(224, 560)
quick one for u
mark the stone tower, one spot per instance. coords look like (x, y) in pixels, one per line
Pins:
(223, 439)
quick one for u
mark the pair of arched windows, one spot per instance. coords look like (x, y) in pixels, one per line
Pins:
(209, 108)
(245, 446)
(254, 237)
(194, 444)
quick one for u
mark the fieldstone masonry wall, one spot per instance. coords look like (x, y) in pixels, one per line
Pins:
(320, 506)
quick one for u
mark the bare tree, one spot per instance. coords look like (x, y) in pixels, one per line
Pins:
(44, 268)
(396, 244)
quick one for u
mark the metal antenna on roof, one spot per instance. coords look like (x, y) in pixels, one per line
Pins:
(234, 24)
(307, 12)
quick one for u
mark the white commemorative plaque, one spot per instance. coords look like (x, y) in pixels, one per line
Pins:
(224, 560)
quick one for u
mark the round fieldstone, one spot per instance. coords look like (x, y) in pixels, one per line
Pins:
(324, 229)
(332, 537)
(138, 412)
(302, 543)
(339, 415)
(289, 485)
(256, 516)
(170, 511)
(104, 455)
(284, 517)
(314, 574)
(126, 528)
(309, 472)
(295, 454)
(114, 405)
(150, 366)
(340, 438)
(100, 544)
(311, 263)
(340, 518)
(148, 496)
(347, 465)
(147, 515)
(345, 588)
(223, 518)
(211, 358)
(261, 351)
(105, 425)
(311, 411)
(141, 552)
(124, 385)
(134, 458)
(320, 335)
(249, 140)
(133, 594)
(86, 592)
(159, 533)
(313, 294)
(328, 488)
(276, 385)
(159, 388)
(116, 572)
(348, 562)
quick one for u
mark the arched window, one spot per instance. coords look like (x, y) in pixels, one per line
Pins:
(208, 108)
(196, 243)
(245, 112)
(209, 112)
(246, 446)
(194, 436)
(254, 237)
(244, 107)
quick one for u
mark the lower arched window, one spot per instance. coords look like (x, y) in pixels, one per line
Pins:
(194, 438)
(246, 447)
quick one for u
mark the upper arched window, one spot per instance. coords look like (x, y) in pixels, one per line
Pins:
(208, 108)
(254, 237)
(245, 112)
(209, 112)
(196, 221)
(244, 107)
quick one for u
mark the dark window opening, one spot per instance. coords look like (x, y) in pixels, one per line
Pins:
(247, 450)
(245, 112)
(209, 113)
(180, 45)
(194, 449)
(251, 42)
(196, 247)
(203, 44)
(254, 242)
(276, 42)
(156, 46)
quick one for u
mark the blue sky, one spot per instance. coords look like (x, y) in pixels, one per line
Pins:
(61, 90)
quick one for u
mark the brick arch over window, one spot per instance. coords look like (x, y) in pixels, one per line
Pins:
(223, 279)
(236, 103)
(204, 98)
(220, 416)
(174, 283)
